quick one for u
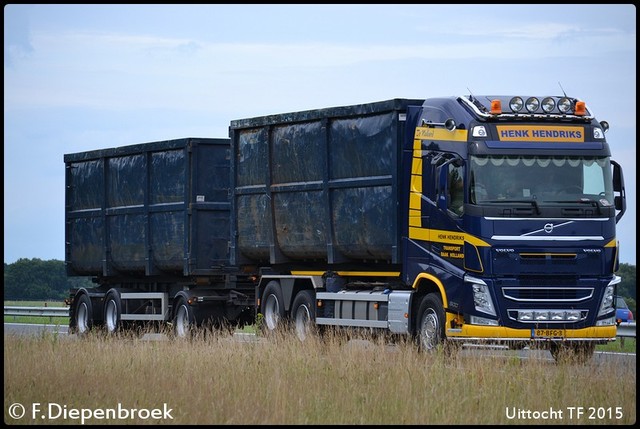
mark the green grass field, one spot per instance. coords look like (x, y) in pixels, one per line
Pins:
(280, 381)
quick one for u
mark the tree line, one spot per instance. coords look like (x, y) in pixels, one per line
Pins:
(38, 280)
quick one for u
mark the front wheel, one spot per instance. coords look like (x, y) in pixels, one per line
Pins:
(430, 329)
(304, 313)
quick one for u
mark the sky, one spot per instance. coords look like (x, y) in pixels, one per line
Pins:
(95, 76)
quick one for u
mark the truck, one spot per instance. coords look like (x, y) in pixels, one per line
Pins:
(450, 220)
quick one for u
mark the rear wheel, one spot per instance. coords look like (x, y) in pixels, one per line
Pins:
(304, 314)
(272, 306)
(82, 321)
(112, 312)
(183, 319)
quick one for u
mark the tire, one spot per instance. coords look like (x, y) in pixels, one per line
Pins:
(184, 320)
(430, 333)
(112, 312)
(580, 352)
(303, 313)
(82, 316)
(272, 307)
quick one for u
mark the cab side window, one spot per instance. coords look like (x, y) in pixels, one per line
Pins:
(455, 185)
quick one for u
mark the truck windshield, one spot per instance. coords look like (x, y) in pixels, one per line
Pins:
(543, 179)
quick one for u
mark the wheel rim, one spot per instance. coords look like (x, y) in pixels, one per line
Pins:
(111, 316)
(82, 318)
(182, 321)
(302, 322)
(430, 330)
(272, 312)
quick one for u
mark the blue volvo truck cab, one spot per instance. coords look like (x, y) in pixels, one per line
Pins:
(513, 206)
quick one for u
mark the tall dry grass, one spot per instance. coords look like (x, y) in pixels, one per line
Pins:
(218, 379)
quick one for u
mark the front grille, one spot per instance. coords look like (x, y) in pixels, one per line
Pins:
(538, 294)
(548, 281)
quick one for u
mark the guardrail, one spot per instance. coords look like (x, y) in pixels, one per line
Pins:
(625, 329)
(49, 312)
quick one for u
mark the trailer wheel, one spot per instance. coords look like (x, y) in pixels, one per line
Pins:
(82, 316)
(430, 333)
(112, 312)
(272, 306)
(183, 319)
(304, 314)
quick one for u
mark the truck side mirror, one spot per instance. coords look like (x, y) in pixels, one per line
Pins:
(620, 201)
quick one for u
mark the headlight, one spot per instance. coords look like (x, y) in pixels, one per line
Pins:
(607, 300)
(481, 296)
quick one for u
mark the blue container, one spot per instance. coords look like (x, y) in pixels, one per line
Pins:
(154, 209)
(318, 185)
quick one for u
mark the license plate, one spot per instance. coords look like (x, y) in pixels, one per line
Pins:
(548, 333)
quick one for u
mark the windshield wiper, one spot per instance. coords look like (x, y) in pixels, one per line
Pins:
(582, 200)
(534, 203)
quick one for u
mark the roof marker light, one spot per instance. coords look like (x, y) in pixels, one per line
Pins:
(496, 107)
(479, 131)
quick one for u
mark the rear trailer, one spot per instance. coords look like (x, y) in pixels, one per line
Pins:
(150, 223)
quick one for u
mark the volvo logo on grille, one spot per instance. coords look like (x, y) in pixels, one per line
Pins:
(548, 228)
